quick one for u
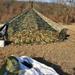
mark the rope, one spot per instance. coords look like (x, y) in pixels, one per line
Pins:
(27, 7)
(46, 13)
(71, 41)
(13, 18)
(19, 14)
(72, 31)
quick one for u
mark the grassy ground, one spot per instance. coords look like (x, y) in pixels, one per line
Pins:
(60, 56)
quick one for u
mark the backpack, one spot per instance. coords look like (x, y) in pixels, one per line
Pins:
(10, 67)
(25, 65)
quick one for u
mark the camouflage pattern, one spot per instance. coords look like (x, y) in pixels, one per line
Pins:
(10, 67)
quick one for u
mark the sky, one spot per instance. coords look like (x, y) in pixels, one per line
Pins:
(41, 0)
(44, 0)
(36, 0)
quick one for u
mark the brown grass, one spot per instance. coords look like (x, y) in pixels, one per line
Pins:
(60, 56)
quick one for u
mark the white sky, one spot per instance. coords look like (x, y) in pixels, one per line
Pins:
(42, 0)
(36, 0)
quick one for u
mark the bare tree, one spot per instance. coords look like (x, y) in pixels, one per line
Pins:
(57, 1)
(70, 1)
(60, 1)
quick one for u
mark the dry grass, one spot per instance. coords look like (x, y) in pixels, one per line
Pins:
(61, 56)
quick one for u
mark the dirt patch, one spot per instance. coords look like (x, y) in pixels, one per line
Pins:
(60, 56)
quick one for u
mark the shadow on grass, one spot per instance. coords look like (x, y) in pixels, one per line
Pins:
(74, 70)
(7, 42)
(67, 36)
(55, 67)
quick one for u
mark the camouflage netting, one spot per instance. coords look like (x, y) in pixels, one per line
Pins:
(28, 27)
(34, 36)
